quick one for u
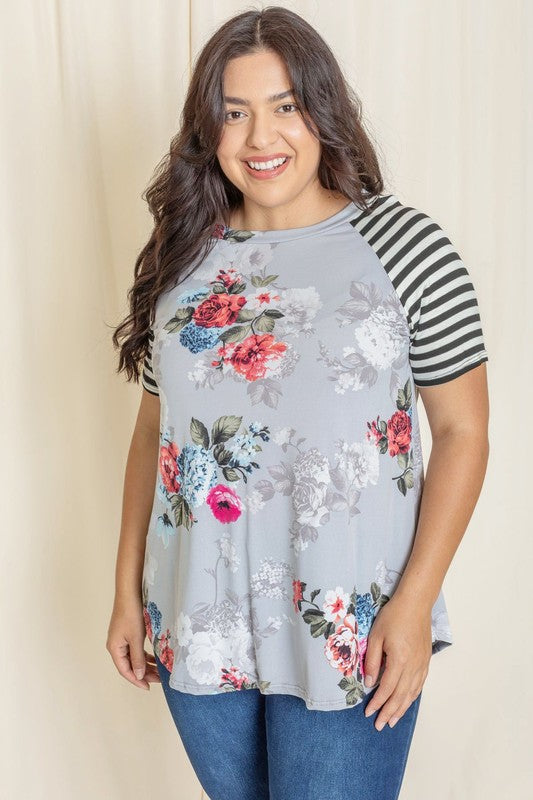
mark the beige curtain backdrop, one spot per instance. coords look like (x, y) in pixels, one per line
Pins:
(91, 92)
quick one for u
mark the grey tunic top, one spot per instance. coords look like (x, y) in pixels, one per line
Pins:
(290, 464)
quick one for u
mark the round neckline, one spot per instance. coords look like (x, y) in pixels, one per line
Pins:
(282, 234)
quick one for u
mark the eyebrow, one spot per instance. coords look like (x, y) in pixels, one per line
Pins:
(272, 99)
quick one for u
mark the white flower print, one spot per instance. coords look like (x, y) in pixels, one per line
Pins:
(274, 622)
(229, 552)
(309, 499)
(359, 463)
(283, 435)
(335, 606)
(150, 567)
(315, 487)
(381, 336)
(208, 653)
(253, 501)
(300, 306)
(312, 465)
(240, 643)
(270, 581)
(183, 629)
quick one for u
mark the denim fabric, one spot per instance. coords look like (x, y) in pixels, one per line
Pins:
(244, 745)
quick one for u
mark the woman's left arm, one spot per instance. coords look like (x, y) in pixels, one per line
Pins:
(458, 415)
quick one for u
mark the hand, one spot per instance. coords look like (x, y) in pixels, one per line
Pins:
(125, 643)
(401, 631)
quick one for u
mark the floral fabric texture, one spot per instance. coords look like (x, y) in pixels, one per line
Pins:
(290, 466)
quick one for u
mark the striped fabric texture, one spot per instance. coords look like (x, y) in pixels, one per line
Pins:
(434, 288)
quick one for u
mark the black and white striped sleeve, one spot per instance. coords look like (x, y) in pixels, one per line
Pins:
(148, 380)
(434, 288)
(445, 325)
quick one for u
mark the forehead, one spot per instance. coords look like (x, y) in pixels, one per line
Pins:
(256, 78)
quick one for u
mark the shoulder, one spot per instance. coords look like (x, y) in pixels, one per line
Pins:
(414, 249)
(400, 232)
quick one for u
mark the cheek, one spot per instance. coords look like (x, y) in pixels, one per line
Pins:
(229, 145)
(303, 141)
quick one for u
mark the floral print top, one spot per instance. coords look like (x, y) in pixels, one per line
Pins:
(290, 465)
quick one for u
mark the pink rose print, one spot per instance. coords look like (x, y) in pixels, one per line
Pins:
(341, 647)
(225, 504)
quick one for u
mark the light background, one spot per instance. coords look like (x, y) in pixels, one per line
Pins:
(90, 96)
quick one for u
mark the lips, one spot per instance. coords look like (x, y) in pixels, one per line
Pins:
(262, 159)
(267, 174)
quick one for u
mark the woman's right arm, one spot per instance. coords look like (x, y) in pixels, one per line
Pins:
(126, 633)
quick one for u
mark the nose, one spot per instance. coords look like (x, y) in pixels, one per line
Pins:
(262, 132)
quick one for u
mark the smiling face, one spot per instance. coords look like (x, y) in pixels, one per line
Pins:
(262, 122)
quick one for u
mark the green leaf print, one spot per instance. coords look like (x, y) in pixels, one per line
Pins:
(225, 427)
(182, 512)
(181, 318)
(403, 402)
(223, 456)
(245, 315)
(231, 474)
(264, 323)
(257, 281)
(235, 334)
(199, 433)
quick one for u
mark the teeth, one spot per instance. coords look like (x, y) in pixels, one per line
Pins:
(262, 165)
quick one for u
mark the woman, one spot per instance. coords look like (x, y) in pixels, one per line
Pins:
(287, 567)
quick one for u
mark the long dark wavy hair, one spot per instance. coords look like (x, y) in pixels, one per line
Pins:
(189, 194)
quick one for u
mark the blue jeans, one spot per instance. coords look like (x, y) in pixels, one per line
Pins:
(244, 745)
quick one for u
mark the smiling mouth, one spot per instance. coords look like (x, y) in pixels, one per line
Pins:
(266, 166)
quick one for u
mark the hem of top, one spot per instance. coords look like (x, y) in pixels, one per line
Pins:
(149, 390)
(451, 375)
(438, 644)
(277, 688)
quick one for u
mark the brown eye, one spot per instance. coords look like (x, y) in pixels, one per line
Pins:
(232, 112)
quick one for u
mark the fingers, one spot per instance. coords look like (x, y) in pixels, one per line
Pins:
(131, 658)
(399, 687)
(138, 659)
(387, 689)
(374, 658)
(397, 704)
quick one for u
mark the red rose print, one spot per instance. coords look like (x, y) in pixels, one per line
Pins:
(228, 277)
(166, 653)
(399, 433)
(218, 310)
(168, 467)
(233, 677)
(147, 623)
(218, 231)
(373, 432)
(297, 594)
(251, 356)
(266, 297)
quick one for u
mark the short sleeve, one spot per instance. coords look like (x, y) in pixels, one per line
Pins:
(446, 336)
(148, 380)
